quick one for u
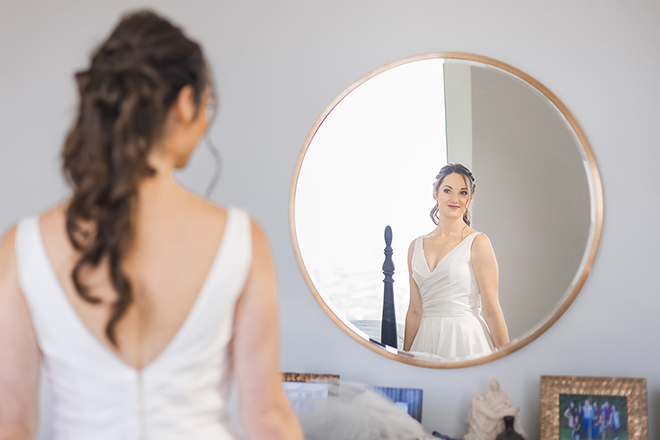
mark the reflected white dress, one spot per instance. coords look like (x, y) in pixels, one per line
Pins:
(452, 324)
(182, 394)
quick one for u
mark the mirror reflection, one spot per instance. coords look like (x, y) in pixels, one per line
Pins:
(453, 276)
(372, 160)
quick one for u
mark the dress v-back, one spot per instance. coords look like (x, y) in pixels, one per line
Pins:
(182, 394)
(452, 325)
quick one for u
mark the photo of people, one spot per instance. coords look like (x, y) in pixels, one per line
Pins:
(593, 417)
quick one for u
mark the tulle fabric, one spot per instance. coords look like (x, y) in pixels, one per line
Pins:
(353, 412)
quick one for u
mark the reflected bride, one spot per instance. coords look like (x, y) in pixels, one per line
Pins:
(454, 311)
(383, 134)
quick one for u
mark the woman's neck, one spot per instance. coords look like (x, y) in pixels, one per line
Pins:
(162, 182)
(447, 227)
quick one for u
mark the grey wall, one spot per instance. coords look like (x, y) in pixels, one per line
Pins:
(278, 64)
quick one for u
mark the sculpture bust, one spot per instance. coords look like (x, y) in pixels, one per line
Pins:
(487, 412)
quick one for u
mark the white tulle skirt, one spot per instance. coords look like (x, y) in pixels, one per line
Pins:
(352, 412)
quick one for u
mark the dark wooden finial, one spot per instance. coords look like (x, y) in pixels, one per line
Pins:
(388, 325)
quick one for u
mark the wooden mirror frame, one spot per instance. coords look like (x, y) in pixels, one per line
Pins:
(591, 252)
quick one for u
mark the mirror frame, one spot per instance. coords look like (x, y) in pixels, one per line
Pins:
(591, 250)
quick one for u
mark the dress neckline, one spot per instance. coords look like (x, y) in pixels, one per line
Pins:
(426, 263)
(88, 334)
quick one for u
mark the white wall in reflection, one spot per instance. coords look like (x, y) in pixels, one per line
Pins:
(387, 124)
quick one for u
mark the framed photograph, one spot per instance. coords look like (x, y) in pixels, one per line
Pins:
(407, 399)
(310, 377)
(600, 408)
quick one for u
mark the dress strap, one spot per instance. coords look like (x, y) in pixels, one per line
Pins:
(26, 242)
(35, 273)
(470, 238)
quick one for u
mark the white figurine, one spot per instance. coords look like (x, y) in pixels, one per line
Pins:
(487, 413)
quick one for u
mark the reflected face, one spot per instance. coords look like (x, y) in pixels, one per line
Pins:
(453, 196)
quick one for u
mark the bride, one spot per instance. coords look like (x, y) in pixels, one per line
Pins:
(142, 300)
(454, 310)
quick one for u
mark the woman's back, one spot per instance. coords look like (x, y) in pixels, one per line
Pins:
(178, 387)
(176, 238)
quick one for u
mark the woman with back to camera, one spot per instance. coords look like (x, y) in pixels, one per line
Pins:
(454, 311)
(141, 299)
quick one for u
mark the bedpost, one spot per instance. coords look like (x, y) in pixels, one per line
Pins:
(388, 325)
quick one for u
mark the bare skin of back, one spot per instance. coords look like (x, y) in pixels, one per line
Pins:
(176, 240)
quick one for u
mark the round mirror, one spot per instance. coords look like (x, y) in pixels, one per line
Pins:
(370, 162)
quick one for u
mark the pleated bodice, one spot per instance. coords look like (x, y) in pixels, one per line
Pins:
(452, 325)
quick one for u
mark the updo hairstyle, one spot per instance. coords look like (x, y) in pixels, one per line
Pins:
(134, 78)
(451, 168)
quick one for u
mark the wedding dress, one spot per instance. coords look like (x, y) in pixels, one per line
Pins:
(452, 325)
(182, 394)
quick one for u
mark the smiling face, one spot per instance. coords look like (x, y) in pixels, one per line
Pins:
(453, 196)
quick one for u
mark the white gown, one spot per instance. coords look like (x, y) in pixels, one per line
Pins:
(182, 394)
(452, 325)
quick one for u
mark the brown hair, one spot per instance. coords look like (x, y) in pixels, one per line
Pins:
(451, 168)
(134, 78)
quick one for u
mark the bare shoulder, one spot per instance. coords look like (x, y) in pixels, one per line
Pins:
(207, 207)
(8, 259)
(54, 219)
(200, 213)
(481, 244)
(257, 229)
(482, 250)
(10, 290)
(259, 240)
(262, 271)
(19, 363)
(481, 239)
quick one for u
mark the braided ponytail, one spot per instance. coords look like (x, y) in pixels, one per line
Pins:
(451, 168)
(125, 96)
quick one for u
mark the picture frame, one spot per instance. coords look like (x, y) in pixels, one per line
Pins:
(310, 377)
(407, 399)
(603, 408)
